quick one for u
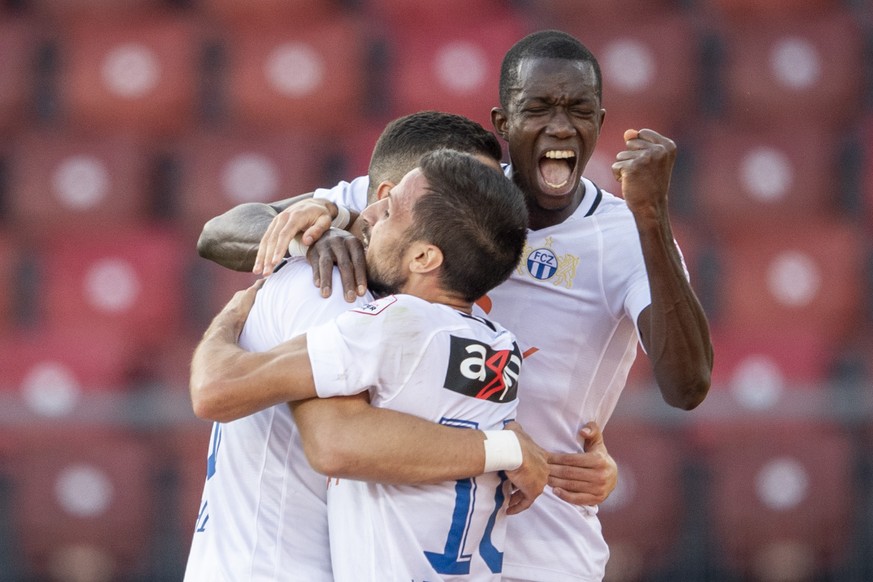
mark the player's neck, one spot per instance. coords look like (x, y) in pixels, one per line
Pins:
(426, 288)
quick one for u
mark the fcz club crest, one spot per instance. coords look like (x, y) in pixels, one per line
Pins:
(478, 371)
(544, 264)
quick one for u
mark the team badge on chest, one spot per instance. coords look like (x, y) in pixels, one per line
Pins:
(542, 263)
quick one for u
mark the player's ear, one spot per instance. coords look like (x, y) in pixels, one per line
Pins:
(383, 189)
(499, 120)
(425, 257)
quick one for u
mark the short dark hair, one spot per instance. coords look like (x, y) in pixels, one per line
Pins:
(407, 138)
(549, 44)
(476, 216)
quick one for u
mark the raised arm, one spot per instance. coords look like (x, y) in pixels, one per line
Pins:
(231, 239)
(228, 382)
(673, 329)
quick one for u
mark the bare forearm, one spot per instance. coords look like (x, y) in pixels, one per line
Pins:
(674, 327)
(231, 239)
(228, 382)
(346, 437)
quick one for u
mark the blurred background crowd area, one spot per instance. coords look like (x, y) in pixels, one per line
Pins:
(126, 124)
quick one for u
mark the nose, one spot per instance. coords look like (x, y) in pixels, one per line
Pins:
(372, 212)
(560, 124)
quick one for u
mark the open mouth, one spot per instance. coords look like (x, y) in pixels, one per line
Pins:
(556, 167)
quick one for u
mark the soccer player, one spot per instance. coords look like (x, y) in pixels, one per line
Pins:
(259, 485)
(599, 274)
(452, 229)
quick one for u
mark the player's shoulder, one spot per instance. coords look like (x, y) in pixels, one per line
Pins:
(398, 305)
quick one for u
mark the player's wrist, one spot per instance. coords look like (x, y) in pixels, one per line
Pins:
(343, 217)
(502, 451)
(296, 248)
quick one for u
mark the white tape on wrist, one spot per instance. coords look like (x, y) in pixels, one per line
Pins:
(502, 451)
(343, 217)
(297, 248)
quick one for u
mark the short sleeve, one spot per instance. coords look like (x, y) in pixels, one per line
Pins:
(376, 345)
(352, 195)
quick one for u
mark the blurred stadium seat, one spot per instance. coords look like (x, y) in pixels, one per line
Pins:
(642, 517)
(784, 73)
(763, 368)
(232, 12)
(82, 503)
(58, 179)
(794, 276)
(9, 257)
(399, 14)
(140, 76)
(183, 450)
(221, 170)
(96, 9)
(19, 42)
(651, 71)
(123, 278)
(455, 68)
(310, 77)
(781, 495)
(745, 179)
(744, 11)
(55, 372)
(211, 287)
(614, 14)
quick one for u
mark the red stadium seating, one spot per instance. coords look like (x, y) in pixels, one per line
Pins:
(220, 171)
(794, 277)
(866, 169)
(58, 180)
(19, 44)
(58, 372)
(95, 9)
(746, 179)
(122, 279)
(82, 503)
(310, 77)
(785, 72)
(183, 449)
(453, 69)
(641, 518)
(9, 261)
(615, 14)
(269, 11)
(650, 70)
(781, 497)
(764, 369)
(404, 14)
(140, 76)
(742, 11)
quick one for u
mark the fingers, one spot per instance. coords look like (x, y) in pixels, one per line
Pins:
(265, 248)
(311, 217)
(359, 264)
(317, 230)
(591, 436)
(346, 252)
(518, 502)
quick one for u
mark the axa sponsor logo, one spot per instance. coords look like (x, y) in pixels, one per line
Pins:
(478, 371)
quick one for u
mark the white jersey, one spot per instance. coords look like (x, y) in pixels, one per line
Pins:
(263, 515)
(435, 362)
(573, 303)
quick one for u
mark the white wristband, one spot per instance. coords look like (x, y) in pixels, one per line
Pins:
(297, 248)
(502, 451)
(343, 217)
